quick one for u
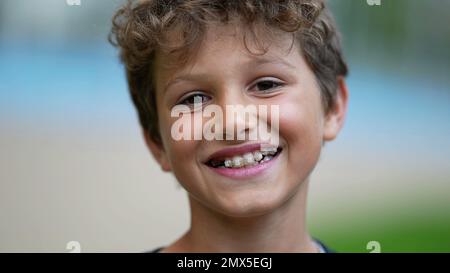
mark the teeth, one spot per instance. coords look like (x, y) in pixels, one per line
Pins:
(228, 163)
(267, 158)
(257, 155)
(268, 150)
(238, 161)
(250, 159)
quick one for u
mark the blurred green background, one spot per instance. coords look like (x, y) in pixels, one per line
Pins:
(404, 47)
(73, 165)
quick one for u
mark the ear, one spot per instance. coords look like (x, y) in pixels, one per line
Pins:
(157, 151)
(336, 117)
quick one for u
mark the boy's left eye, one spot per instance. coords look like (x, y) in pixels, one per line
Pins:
(266, 86)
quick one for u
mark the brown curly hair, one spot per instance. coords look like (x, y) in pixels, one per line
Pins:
(140, 27)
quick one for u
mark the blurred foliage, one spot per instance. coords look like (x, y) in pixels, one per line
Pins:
(400, 35)
(416, 230)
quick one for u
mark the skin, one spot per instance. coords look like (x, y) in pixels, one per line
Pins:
(265, 213)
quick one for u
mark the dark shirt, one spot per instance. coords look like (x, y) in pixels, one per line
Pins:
(324, 248)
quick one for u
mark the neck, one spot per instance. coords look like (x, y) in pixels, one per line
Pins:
(281, 230)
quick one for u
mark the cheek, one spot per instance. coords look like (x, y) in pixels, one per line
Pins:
(301, 126)
(181, 157)
(179, 152)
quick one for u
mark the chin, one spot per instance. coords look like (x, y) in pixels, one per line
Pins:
(250, 205)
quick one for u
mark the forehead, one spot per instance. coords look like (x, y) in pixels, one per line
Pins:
(226, 45)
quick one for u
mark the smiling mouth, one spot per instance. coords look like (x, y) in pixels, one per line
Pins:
(245, 160)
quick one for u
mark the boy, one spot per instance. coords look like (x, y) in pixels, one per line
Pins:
(245, 194)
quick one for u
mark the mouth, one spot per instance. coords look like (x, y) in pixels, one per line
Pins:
(247, 159)
(244, 162)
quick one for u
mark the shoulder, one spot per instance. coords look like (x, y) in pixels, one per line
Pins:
(324, 248)
(156, 250)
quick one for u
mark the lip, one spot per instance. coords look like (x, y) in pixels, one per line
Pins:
(246, 172)
(232, 151)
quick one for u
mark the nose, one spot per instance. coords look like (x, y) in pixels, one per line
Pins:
(239, 116)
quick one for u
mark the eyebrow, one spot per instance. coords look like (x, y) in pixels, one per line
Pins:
(261, 61)
(250, 63)
(184, 77)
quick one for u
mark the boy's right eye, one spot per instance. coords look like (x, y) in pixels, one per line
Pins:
(192, 99)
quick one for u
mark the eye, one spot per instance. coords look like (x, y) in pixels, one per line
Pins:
(192, 99)
(267, 85)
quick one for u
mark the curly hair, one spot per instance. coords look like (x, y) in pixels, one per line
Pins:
(140, 27)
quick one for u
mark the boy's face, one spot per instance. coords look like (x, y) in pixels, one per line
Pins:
(224, 73)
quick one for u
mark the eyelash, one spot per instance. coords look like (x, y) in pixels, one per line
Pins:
(192, 96)
(276, 83)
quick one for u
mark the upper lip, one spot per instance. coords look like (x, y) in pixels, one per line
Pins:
(235, 150)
